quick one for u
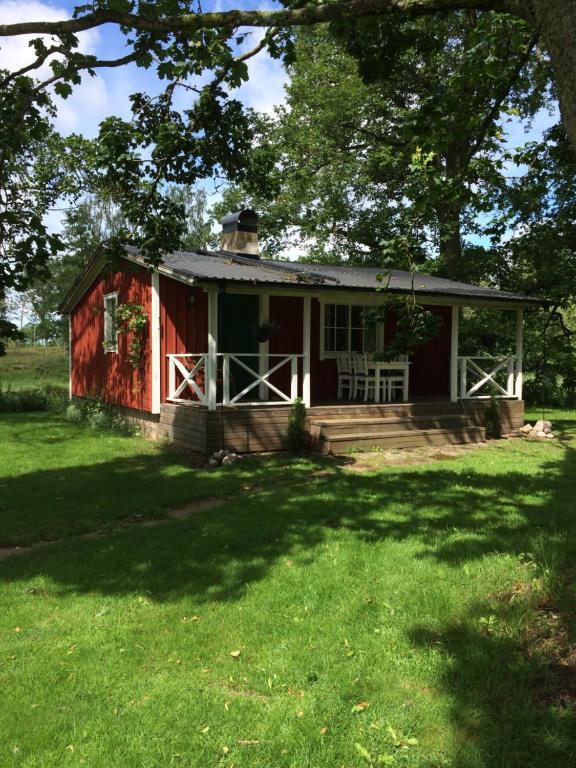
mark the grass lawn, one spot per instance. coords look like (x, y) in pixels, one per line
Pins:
(417, 615)
(28, 367)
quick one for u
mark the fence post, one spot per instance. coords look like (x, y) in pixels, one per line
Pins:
(226, 379)
(463, 376)
(510, 378)
(171, 377)
(519, 352)
(294, 377)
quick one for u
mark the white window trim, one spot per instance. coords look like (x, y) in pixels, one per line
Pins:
(107, 349)
(352, 302)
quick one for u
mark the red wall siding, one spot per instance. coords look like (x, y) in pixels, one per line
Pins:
(430, 369)
(183, 323)
(95, 372)
(323, 372)
(286, 311)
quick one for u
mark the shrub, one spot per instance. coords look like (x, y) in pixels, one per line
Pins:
(493, 419)
(23, 400)
(74, 413)
(29, 400)
(297, 437)
(100, 416)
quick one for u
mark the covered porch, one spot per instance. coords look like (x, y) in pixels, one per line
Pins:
(300, 358)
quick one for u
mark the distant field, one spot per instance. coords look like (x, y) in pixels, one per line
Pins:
(29, 368)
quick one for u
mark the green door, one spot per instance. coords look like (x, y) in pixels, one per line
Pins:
(239, 315)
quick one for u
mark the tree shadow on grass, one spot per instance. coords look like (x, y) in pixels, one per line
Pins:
(455, 514)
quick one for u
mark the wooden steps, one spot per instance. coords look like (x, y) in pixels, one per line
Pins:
(342, 435)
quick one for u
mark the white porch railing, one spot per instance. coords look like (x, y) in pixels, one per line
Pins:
(190, 372)
(191, 369)
(478, 377)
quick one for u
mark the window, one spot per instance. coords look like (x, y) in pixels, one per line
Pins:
(110, 331)
(344, 329)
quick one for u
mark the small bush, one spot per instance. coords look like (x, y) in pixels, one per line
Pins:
(493, 419)
(23, 400)
(100, 416)
(74, 413)
(297, 437)
(48, 398)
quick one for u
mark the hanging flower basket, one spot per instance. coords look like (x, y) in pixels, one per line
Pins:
(264, 331)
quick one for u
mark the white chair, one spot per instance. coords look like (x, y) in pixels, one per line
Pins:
(392, 382)
(364, 381)
(345, 376)
(394, 388)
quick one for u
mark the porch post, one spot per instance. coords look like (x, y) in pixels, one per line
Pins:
(155, 340)
(306, 323)
(454, 355)
(212, 361)
(519, 352)
(264, 346)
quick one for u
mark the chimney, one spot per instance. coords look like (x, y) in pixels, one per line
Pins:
(240, 233)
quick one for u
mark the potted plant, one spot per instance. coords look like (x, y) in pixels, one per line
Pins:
(264, 330)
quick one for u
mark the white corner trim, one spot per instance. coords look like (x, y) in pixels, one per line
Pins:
(306, 328)
(70, 357)
(111, 295)
(155, 368)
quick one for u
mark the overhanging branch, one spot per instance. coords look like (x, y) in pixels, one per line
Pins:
(289, 17)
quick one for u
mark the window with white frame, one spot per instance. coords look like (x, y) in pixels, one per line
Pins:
(344, 330)
(110, 329)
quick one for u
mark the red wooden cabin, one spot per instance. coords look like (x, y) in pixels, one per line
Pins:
(234, 339)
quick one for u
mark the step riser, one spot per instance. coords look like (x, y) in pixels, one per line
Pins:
(408, 426)
(405, 441)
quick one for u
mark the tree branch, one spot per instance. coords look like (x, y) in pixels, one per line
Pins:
(500, 97)
(289, 17)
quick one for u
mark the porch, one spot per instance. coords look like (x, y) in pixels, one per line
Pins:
(237, 392)
(335, 427)
(235, 369)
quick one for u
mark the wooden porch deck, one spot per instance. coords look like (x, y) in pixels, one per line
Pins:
(336, 427)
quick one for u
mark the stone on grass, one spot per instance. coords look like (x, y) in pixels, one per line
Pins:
(212, 462)
(549, 434)
(527, 428)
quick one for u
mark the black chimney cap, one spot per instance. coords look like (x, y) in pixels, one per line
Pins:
(240, 221)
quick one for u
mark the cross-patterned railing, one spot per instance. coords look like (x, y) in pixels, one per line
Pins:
(482, 377)
(188, 375)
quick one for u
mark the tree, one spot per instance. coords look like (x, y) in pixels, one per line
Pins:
(198, 228)
(134, 159)
(177, 22)
(405, 163)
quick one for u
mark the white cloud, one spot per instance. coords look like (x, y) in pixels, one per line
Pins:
(16, 52)
(267, 78)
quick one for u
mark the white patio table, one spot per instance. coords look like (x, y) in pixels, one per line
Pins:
(396, 365)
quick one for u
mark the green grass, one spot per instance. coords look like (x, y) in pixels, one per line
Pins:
(368, 604)
(28, 368)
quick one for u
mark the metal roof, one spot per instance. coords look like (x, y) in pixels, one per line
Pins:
(222, 266)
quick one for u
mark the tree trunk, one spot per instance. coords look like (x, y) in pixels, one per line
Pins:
(556, 20)
(450, 239)
(448, 210)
